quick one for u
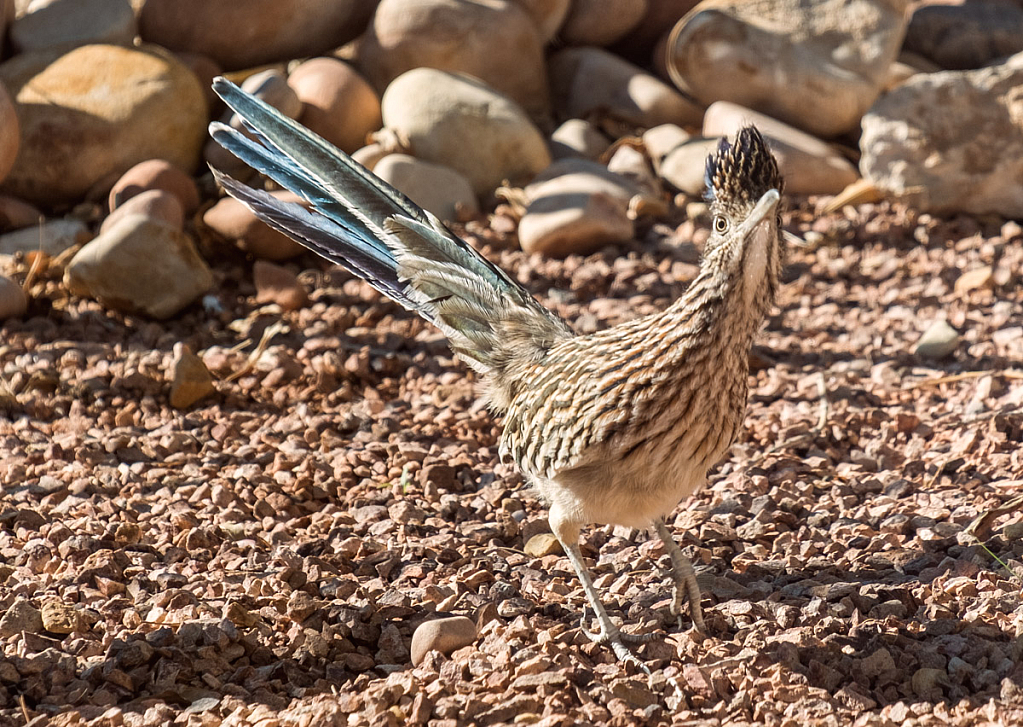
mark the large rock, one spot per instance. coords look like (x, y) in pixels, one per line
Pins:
(493, 40)
(96, 111)
(547, 15)
(660, 17)
(591, 81)
(960, 37)
(10, 132)
(339, 104)
(950, 141)
(140, 265)
(601, 22)
(434, 187)
(815, 64)
(73, 22)
(451, 119)
(254, 32)
(809, 165)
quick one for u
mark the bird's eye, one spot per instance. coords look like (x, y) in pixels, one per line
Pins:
(720, 224)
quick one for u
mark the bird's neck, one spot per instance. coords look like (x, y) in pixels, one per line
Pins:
(721, 311)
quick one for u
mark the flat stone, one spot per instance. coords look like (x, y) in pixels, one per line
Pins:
(52, 237)
(140, 265)
(443, 635)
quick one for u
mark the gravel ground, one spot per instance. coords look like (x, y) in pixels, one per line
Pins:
(265, 556)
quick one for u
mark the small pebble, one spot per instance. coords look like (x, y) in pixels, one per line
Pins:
(276, 284)
(937, 341)
(192, 380)
(443, 635)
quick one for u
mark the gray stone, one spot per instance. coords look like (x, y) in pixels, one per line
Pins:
(959, 37)
(938, 341)
(951, 141)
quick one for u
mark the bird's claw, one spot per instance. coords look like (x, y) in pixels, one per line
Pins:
(680, 597)
(617, 640)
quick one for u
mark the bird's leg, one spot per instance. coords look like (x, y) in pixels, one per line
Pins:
(568, 536)
(684, 576)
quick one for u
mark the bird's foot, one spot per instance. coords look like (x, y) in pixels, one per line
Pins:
(681, 595)
(611, 636)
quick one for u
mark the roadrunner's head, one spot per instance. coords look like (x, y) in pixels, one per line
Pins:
(744, 191)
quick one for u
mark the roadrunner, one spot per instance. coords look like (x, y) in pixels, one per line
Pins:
(614, 427)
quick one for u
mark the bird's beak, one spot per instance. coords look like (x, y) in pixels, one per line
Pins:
(764, 211)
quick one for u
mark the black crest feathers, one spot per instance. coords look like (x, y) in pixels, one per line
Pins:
(741, 172)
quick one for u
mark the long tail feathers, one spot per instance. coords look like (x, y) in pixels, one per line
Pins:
(360, 222)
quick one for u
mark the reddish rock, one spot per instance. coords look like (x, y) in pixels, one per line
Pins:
(155, 174)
